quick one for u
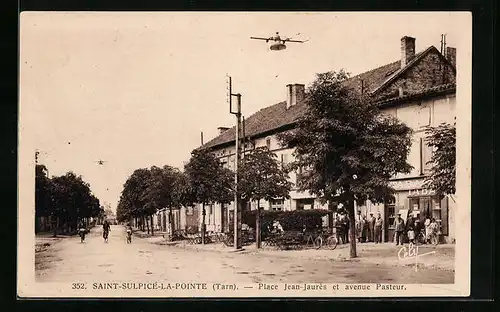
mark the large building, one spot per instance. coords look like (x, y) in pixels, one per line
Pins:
(418, 89)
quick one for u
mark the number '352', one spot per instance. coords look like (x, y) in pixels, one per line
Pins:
(77, 286)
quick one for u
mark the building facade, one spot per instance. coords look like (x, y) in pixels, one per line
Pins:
(418, 89)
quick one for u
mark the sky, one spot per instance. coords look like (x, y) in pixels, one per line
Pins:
(136, 89)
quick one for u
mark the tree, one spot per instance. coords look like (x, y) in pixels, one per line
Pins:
(72, 201)
(442, 177)
(207, 181)
(134, 197)
(42, 193)
(260, 177)
(346, 148)
(167, 188)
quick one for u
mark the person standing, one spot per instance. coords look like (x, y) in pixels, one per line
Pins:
(364, 230)
(377, 228)
(410, 229)
(337, 225)
(359, 225)
(399, 225)
(345, 226)
(371, 228)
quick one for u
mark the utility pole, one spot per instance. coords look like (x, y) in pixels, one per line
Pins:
(237, 204)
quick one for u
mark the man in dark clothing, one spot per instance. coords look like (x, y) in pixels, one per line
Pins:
(399, 227)
(371, 228)
(345, 231)
(338, 229)
(378, 227)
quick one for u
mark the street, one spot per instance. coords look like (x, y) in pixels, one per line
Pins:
(68, 260)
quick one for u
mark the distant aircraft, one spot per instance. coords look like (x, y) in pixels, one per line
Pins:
(100, 162)
(279, 42)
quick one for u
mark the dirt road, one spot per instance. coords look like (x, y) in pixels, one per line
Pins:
(68, 260)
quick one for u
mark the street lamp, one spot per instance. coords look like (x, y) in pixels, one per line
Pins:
(237, 208)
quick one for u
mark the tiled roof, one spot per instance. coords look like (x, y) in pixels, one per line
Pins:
(266, 119)
(277, 116)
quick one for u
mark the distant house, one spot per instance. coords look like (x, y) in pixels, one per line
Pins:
(419, 89)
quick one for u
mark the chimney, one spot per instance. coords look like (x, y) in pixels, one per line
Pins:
(407, 50)
(451, 55)
(295, 93)
(222, 129)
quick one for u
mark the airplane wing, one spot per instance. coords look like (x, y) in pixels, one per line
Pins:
(259, 38)
(289, 40)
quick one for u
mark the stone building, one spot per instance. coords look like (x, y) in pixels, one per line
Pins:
(419, 89)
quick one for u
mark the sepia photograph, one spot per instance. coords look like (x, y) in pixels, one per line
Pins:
(244, 154)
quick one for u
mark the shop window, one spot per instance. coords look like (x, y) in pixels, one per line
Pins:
(433, 207)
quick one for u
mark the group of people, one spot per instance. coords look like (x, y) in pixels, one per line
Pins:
(367, 230)
(413, 227)
(106, 228)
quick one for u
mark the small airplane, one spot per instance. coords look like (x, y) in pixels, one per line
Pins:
(279, 42)
(100, 162)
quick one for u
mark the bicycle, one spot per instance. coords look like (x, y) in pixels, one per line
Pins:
(105, 235)
(422, 238)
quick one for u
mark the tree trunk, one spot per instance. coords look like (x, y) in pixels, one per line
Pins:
(54, 221)
(352, 229)
(147, 223)
(330, 217)
(257, 226)
(171, 222)
(203, 226)
(152, 226)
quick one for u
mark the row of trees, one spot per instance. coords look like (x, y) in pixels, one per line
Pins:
(65, 199)
(204, 181)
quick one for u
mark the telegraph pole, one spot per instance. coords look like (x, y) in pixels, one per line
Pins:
(237, 206)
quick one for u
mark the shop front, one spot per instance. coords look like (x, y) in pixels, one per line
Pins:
(412, 199)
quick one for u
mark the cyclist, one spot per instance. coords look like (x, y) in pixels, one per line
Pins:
(129, 233)
(105, 230)
(82, 231)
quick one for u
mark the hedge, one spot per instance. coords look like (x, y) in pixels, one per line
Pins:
(289, 220)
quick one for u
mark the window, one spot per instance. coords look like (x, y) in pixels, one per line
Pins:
(425, 157)
(268, 143)
(189, 211)
(305, 204)
(277, 204)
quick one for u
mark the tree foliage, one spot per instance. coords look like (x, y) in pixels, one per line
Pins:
(442, 177)
(148, 190)
(209, 181)
(67, 198)
(345, 147)
(260, 176)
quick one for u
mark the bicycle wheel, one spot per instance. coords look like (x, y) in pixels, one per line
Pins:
(331, 242)
(318, 242)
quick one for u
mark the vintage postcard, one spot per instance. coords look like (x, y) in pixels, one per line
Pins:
(244, 154)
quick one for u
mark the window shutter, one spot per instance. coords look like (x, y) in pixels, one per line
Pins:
(444, 215)
(421, 156)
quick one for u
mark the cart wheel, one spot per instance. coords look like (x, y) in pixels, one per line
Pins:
(318, 242)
